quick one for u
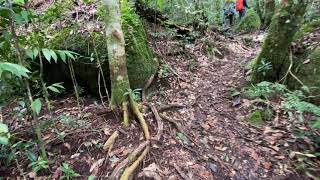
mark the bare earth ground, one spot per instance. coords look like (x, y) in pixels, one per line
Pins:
(216, 142)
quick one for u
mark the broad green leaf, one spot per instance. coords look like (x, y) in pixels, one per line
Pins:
(58, 85)
(69, 54)
(15, 69)
(4, 134)
(4, 140)
(7, 35)
(18, 2)
(18, 19)
(36, 106)
(62, 55)
(54, 55)
(24, 15)
(30, 53)
(316, 124)
(31, 156)
(91, 178)
(3, 128)
(47, 54)
(52, 88)
(35, 52)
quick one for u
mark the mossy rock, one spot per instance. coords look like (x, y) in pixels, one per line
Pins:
(307, 69)
(255, 118)
(250, 22)
(91, 44)
(259, 117)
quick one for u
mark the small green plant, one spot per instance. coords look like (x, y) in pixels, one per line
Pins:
(68, 172)
(4, 134)
(20, 110)
(134, 93)
(264, 67)
(39, 164)
(164, 71)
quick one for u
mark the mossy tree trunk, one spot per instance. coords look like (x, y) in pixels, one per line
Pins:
(259, 10)
(269, 8)
(116, 53)
(275, 49)
(119, 76)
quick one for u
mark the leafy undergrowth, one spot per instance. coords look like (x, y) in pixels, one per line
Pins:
(273, 104)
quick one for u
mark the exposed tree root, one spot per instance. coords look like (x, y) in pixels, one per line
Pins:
(159, 121)
(125, 114)
(179, 127)
(116, 172)
(144, 146)
(135, 164)
(109, 144)
(171, 106)
(137, 113)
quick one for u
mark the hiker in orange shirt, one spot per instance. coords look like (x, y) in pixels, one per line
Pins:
(241, 6)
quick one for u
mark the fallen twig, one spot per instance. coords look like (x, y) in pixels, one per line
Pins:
(159, 122)
(180, 172)
(116, 172)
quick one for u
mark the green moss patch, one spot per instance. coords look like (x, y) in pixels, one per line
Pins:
(90, 43)
(259, 117)
(307, 69)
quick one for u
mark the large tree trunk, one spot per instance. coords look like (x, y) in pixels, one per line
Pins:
(269, 8)
(276, 46)
(116, 53)
(259, 9)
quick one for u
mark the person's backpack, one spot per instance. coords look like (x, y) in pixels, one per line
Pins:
(239, 5)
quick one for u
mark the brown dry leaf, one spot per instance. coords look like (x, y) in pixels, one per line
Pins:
(32, 174)
(267, 165)
(254, 155)
(212, 122)
(106, 131)
(246, 102)
(221, 148)
(117, 151)
(205, 125)
(95, 166)
(152, 171)
(56, 174)
(271, 139)
(184, 85)
(67, 145)
(280, 157)
(46, 137)
(205, 174)
(172, 141)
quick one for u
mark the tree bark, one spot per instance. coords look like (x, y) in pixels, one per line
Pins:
(269, 8)
(116, 53)
(276, 46)
(259, 10)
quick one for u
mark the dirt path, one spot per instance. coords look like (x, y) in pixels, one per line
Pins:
(224, 146)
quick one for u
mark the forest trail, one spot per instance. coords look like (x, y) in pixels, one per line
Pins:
(216, 143)
(223, 144)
